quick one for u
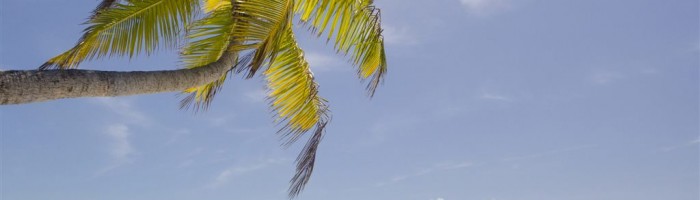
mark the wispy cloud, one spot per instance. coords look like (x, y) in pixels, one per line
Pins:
(546, 153)
(124, 107)
(256, 96)
(435, 168)
(494, 96)
(390, 124)
(227, 174)
(321, 62)
(605, 77)
(690, 143)
(120, 148)
(650, 71)
(485, 7)
(439, 198)
(218, 121)
(695, 46)
(398, 35)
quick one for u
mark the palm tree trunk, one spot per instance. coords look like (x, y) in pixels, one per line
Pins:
(27, 86)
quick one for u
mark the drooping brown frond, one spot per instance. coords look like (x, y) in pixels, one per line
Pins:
(306, 160)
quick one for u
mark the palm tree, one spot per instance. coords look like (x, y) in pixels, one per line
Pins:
(222, 38)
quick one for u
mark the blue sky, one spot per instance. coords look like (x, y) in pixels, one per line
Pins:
(484, 100)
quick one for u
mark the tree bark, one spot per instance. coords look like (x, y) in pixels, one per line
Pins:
(27, 86)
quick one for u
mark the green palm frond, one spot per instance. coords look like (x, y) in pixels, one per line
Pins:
(200, 97)
(127, 29)
(212, 5)
(251, 25)
(104, 5)
(294, 96)
(208, 37)
(266, 32)
(356, 27)
(251, 36)
(263, 24)
(293, 92)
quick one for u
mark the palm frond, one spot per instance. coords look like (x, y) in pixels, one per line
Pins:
(293, 92)
(294, 97)
(127, 29)
(306, 160)
(208, 37)
(104, 5)
(262, 23)
(238, 25)
(212, 5)
(356, 27)
(267, 27)
(200, 97)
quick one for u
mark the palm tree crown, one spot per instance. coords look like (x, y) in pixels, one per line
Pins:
(258, 36)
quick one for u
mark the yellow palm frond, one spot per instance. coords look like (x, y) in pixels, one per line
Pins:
(127, 29)
(211, 5)
(262, 23)
(293, 92)
(356, 27)
(250, 25)
(266, 30)
(208, 37)
(294, 96)
(200, 97)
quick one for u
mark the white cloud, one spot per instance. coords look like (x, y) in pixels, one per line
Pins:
(124, 107)
(492, 96)
(186, 163)
(435, 168)
(485, 7)
(690, 143)
(650, 71)
(218, 121)
(605, 77)
(398, 35)
(389, 126)
(120, 148)
(227, 174)
(256, 96)
(547, 153)
(320, 62)
(695, 46)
